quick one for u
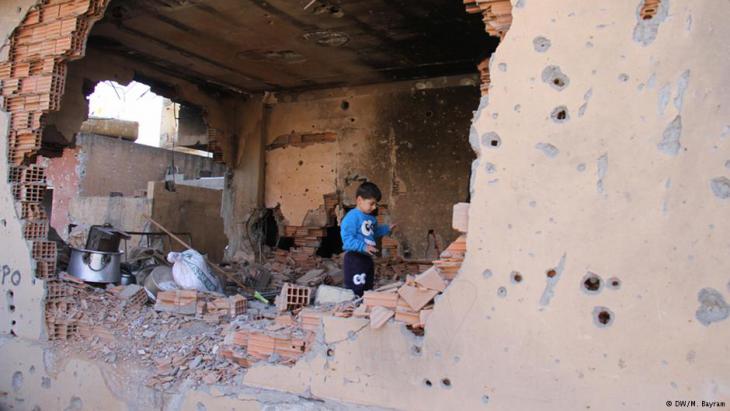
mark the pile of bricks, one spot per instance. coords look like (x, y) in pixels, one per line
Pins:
(207, 306)
(497, 14)
(451, 259)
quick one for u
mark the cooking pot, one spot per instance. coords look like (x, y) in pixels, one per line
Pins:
(95, 266)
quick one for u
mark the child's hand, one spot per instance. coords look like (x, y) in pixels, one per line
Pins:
(371, 249)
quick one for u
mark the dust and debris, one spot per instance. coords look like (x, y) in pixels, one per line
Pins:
(552, 276)
(553, 76)
(670, 137)
(720, 187)
(601, 170)
(645, 31)
(713, 307)
(541, 44)
(548, 149)
(682, 84)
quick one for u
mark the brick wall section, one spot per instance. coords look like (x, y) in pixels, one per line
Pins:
(31, 85)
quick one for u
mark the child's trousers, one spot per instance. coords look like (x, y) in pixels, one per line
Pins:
(359, 272)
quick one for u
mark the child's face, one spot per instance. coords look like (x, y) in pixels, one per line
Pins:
(367, 206)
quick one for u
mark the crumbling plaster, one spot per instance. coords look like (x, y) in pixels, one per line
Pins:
(512, 352)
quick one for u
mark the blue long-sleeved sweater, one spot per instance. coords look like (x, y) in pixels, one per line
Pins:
(358, 230)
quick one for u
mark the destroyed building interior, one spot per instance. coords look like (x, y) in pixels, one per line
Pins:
(559, 173)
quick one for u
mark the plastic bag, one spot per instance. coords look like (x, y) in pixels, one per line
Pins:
(191, 272)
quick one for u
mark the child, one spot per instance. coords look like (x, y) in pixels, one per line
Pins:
(359, 229)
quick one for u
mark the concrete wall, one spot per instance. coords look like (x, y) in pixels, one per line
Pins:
(624, 193)
(99, 165)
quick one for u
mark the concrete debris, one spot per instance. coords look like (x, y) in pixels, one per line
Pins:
(327, 294)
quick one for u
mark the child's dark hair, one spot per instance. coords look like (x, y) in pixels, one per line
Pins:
(368, 190)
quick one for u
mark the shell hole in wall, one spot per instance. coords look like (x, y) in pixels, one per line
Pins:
(345, 105)
(614, 283)
(604, 317)
(592, 283)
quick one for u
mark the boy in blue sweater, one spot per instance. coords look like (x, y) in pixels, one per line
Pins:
(359, 229)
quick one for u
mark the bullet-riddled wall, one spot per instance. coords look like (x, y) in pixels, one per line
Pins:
(618, 169)
(410, 138)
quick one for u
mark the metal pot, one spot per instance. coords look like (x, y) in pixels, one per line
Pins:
(95, 266)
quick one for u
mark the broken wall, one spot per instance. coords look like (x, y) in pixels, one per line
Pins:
(597, 197)
(410, 138)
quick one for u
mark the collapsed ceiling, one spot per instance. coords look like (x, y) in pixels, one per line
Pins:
(257, 45)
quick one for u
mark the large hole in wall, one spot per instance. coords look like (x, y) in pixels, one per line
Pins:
(231, 97)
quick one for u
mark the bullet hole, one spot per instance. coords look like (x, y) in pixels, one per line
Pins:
(517, 108)
(516, 277)
(32, 369)
(592, 283)
(330, 352)
(11, 307)
(485, 399)
(345, 105)
(560, 114)
(446, 383)
(623, 77)
(541, 44)
(553, 76)
(602, 317)
(352, 119)
(613, 283)
(427, 383)
(415, 350)
(502, 292)
(551, 273)
(487, 273)
(491, 140)
(45, 382)
(17, 381)
(429, 113)
(13, 322)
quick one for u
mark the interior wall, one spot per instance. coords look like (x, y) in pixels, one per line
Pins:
(194, 210)
(410, 138)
